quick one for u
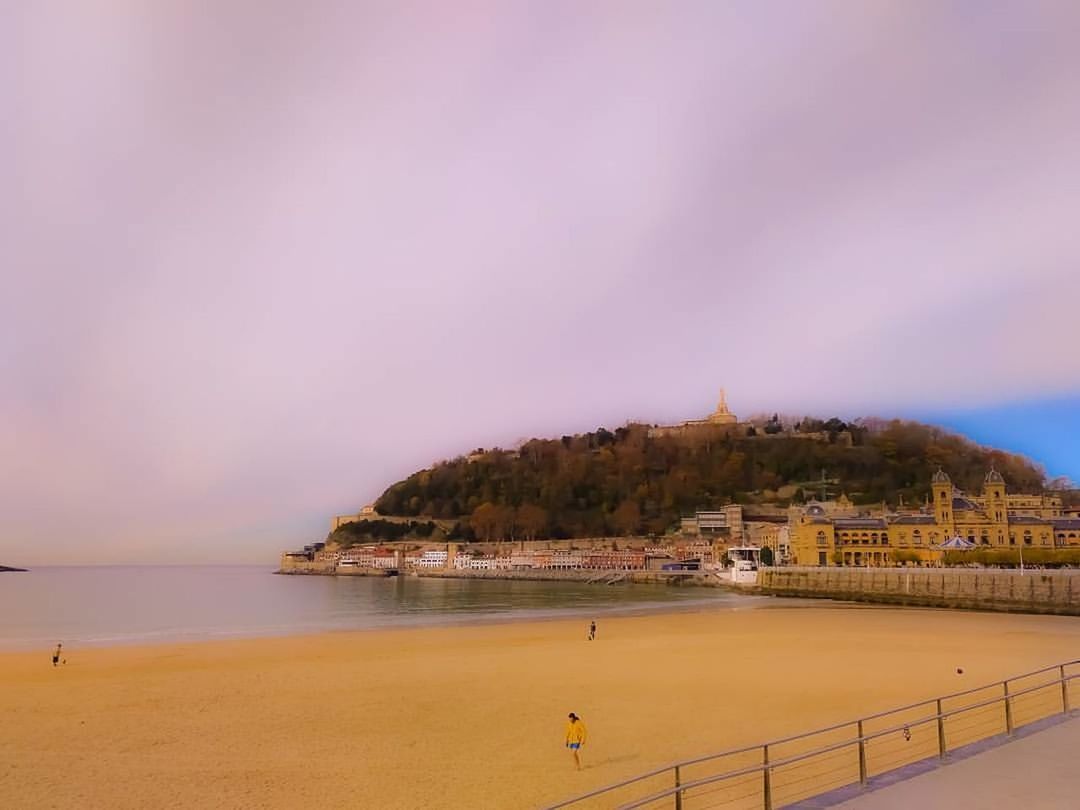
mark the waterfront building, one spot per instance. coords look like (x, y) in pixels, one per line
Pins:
(432, 559)
(994, 519)
(727, 520)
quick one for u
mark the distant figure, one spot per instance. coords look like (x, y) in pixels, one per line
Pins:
(575, 737)
(592, 630)
(56, 654)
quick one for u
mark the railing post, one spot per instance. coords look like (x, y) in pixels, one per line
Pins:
(1008, 710)
(766, 772)
(678, 793)
(1064, 692)
(940, 732)
(862, 757)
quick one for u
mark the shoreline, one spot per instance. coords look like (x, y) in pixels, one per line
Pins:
(435, 621)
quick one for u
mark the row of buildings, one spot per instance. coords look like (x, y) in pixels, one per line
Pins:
(828, 533)
(645, 558)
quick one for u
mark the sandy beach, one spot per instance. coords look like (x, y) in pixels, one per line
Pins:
(471, 716)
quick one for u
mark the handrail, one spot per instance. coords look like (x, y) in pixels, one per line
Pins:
(939, 716)
(708, 780)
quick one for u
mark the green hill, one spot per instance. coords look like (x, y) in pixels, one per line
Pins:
(627, 481)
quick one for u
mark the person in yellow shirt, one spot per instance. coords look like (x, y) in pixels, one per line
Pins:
(575, 737)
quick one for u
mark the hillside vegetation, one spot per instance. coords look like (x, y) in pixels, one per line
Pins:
(626, 482)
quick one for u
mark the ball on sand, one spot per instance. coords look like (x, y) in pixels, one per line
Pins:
(959, 671)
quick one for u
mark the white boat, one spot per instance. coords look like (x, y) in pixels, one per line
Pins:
(743, 563)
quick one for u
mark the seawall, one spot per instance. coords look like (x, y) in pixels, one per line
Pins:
(1038, 591)
(590, 576)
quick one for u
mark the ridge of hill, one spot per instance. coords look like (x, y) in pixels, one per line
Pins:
(639, 479)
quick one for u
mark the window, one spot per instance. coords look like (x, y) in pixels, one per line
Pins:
(1012, 538)
(916, 537)
(1027, 538)
(821, 541)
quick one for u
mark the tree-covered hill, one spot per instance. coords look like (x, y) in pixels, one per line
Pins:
(626, 481)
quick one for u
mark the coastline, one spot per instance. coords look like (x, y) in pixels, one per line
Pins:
(238, 605)
(412, 717)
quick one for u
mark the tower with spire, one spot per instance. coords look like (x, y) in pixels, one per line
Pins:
(941, 489)
(994, 496)
(722, 416)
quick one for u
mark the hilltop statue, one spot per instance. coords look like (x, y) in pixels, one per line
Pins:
(722, 416)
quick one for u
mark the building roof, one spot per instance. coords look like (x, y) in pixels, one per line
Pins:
(1026, 519)
(960, 504)
(1066, 523)
(860, 523)
(914, 520)
(941, 477)
(994, 477)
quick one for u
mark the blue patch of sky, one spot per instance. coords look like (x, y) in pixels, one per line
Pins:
(1047, 431)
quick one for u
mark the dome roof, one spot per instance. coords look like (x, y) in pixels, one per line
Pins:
(941, 477)
(994, 477)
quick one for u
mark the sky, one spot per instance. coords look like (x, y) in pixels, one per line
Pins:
(261, 261)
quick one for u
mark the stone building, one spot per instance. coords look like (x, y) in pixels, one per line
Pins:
(994, 519)
(722, 417)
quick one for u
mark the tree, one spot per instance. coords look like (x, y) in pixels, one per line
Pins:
(485, 520)
(532, 520)
(627, 517)
(506, 522)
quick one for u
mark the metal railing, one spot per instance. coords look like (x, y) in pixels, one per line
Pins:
(780, 772)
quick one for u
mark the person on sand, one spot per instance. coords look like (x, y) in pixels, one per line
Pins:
(575, 737)
(56, 654)
(592, 630)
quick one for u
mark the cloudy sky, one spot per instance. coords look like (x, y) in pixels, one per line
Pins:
(260, 260)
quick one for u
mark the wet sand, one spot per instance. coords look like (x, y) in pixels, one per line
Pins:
(471, 716)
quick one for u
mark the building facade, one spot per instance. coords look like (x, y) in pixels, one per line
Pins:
(994, 519)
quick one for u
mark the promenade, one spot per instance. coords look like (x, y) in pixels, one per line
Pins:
(1036, 771)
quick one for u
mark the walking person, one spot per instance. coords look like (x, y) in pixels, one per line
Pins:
(575, 737)
(56, 654)
(592, 630)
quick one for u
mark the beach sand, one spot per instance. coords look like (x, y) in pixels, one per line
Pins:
(471, 716)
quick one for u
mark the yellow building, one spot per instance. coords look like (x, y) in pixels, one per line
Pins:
(994, 519)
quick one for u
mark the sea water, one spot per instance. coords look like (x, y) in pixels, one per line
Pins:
(146, 604)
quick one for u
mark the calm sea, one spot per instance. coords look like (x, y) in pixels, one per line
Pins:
(136, 604)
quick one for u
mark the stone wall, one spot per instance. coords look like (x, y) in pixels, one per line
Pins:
(294, 565)
(1038, 591)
